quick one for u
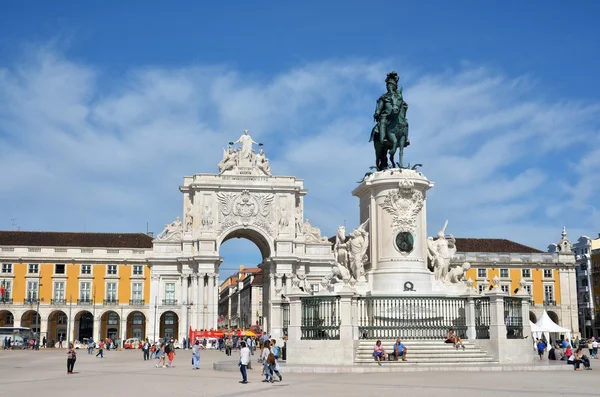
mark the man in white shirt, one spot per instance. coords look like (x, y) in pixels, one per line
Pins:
(594, 348)
(244, 361)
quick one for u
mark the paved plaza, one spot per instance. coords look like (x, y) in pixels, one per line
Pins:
(124, 372)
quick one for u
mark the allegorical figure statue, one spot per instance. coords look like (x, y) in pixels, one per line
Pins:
(229, 160)
(358, 244)
(189, 220)
(172, 230)
(262, 162)
(246, 142)
(441, 252)
(391, 131)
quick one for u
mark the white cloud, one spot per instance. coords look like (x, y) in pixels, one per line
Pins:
(83, 149)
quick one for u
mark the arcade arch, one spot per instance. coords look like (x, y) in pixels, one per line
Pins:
(532, 317)
(7, 319)
(553, 316)
(84, 325)
(136, 325)
(57, 325)
(31, 319)
(110, 325)
(169, 325)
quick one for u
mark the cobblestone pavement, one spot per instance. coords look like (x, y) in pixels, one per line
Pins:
(125, 373)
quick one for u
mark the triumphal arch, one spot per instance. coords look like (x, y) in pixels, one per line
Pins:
(243, 200)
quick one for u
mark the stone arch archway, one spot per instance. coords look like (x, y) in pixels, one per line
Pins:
(169, 325)
(84, 326)
(263, 241)
(532, 317)
(244, 200)
(31, 319)
(553, 316)
(136, 325)
(7, 318)
(57, 325)
(110, 325)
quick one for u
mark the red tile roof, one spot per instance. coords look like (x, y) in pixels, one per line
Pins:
(493, 245)
(70, 239)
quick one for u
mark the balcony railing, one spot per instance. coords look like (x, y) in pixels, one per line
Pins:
(549, 303)
(6, 301)
(111, 302)
(31, 301)
(137, 302)
(58, 301)
(84, 301)
(169, 302)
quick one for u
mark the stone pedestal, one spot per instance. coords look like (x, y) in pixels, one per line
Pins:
(394, 201)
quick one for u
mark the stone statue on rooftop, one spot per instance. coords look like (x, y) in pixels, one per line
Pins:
(391, 130)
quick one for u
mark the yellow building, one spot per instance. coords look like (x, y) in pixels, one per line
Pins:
(549, 277)
(97, 285)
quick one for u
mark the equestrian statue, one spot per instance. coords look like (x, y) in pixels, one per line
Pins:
(390, 133)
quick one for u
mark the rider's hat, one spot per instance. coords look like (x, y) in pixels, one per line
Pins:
(392, 78)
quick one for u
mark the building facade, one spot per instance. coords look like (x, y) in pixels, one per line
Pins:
(595, 284)
(95, 285)
(240, 299)
(550, 277)
(582, 251)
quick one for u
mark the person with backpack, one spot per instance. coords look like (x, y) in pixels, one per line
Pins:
(170, 351)
(267, 358)
(276, 351)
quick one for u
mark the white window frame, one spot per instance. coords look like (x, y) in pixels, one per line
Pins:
(507, 273)
(140, 268)
(89, 291)
(546, 296)
(523, 273)
(169, 295)
(108, 269)
(505, 288)
(528, 288)
(482, 270)
(480, 288)
(86, 267)
(33, 266)
(109, 291)
(7, 268)
(32, 290)
(56, 293)
(548, 270)
(133, 291)
(7, 289)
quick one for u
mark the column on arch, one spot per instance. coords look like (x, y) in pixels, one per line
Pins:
(212, 323)
(201, 322)
(195, 302)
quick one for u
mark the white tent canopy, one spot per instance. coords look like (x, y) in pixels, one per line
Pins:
(545, 326)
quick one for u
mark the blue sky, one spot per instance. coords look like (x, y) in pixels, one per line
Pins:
(105, 106)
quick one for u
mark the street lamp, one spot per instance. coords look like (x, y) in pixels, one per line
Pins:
(37, 310)
(155, 307)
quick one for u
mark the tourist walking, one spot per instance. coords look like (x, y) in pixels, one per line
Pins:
(91, 346)
(276, 351)
(100, 349)
(196, 354)
(541, 347)
(264, 355)
(60, 339)
(170, 351)
(71, 357)
(160, 355)
(146, 350)
(244, 361)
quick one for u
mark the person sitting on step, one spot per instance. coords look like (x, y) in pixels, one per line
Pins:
(399, 350)
(451, 337)
(379, 352)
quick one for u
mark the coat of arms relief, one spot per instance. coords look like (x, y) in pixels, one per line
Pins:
(246, 209)
(404, 205)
